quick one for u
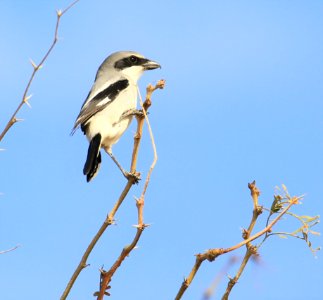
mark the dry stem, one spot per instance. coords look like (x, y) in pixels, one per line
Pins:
(36, 68)
(9, 250)
(107, 222)
(212, 254)
(106, 276)
(251, 250)
(110, 217)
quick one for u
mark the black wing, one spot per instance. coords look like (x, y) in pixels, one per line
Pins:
(93, 106)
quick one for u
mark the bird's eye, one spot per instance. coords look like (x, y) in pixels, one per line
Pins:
(133, 59)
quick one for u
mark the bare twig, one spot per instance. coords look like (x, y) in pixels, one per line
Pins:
(212, 254)
(9, 250)
(251, 249)
(140, 119)
(257, 210)
(106, 276)
(36, 68)
(150, 89)
(107, 222)
(110, 217)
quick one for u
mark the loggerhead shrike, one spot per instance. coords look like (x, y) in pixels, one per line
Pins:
(110, 105)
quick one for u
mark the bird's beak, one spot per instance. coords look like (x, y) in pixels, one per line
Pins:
(151, 65)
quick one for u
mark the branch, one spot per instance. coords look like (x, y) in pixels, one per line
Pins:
(9, 250)
(107, 222)
(150, 89)
(106, 276)
(212, 254)
(36, 68)
(251, 249)
(110, 217)
(140, 120)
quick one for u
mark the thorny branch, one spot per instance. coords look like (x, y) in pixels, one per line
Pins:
(106, 276)
(110, 217)
(212, 254)
(36, 68)
(107, 222)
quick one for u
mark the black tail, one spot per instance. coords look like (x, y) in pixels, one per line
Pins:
(93, 159)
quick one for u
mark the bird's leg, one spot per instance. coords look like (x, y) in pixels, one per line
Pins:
(126, 174)
(132, 112)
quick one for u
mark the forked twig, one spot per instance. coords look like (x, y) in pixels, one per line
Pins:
(251, 249)
(212, 254)
(106, 276)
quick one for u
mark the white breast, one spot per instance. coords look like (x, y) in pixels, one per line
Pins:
(109, 123)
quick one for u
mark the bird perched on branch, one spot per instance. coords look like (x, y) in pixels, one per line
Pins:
(110, 105)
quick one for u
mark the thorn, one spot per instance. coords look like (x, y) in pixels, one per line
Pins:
(26, 100)
(245, 233)
(15, 120)
(28, 104)
(112, 222)
(33, 64)
(142, 226)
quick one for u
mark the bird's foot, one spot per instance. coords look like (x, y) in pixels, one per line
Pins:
(133, 112)
(135, 177)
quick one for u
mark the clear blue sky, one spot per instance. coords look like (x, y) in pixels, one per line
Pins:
(243, 101)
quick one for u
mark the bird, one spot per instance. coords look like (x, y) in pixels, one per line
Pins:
(110, 106)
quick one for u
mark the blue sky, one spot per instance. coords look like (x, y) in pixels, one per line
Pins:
(243, 101)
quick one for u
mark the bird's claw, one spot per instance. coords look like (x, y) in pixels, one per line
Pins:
(139, 113)
(134, 176)
(133, 112)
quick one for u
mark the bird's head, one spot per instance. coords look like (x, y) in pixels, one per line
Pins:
(130, 64)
